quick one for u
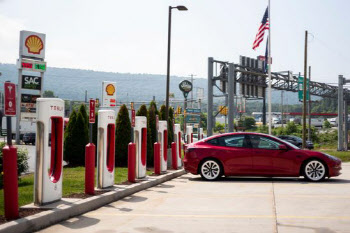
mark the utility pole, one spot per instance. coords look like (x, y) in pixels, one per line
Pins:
(309, 132)
(282, 108)
(192, 89)
(304, 93)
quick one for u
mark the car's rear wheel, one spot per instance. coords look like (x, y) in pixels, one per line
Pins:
(315, 170)
(210, 170)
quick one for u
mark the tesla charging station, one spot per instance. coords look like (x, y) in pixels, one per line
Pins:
(105, 148)
(49, 156)
(163, 140)
(140, 139)
(200, 134)
(189, 134)
(177, 140)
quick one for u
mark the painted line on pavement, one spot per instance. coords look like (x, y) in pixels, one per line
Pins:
(219, 216)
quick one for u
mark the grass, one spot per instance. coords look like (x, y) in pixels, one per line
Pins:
(73, 182)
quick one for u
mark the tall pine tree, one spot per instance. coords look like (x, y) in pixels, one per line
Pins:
(122, 136)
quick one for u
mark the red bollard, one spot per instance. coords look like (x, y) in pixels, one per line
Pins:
(10, 182)
(90, 169)
(191, 137)
(131, 162)
(157, 158)
(173, 155)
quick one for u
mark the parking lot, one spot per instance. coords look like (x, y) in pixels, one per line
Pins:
(188, 204)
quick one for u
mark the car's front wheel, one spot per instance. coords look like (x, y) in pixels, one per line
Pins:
(210, 170)
(314, 170)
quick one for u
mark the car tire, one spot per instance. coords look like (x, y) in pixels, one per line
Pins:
(314, 170)
(211, 170)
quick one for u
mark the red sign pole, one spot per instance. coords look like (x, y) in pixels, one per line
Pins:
(10, 157)
(90, 155)
(133, 118)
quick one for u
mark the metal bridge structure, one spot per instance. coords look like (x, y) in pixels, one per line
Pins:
(250, 79)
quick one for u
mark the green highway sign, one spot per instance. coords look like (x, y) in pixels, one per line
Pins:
(301, 89)
(193, 118)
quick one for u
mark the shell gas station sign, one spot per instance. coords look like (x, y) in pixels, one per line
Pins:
(109, 94)
(32, 45)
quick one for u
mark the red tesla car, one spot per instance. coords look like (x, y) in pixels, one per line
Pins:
(254, 154)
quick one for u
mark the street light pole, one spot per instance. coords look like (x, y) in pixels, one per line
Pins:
(180, 8)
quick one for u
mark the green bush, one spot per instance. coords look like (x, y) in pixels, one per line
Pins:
(327, 124)
(249, 122)
(219, 127)
(122, 137)
(76, 138)
(263, 129)
(22, 162)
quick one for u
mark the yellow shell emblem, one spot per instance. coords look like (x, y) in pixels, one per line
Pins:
(34, 44)
(110, 89)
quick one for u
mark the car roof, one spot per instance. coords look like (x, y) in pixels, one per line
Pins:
(238, 133)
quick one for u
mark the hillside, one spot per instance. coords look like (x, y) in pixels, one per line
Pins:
(72, 83)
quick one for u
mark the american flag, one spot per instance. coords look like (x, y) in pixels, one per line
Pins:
(261, 32)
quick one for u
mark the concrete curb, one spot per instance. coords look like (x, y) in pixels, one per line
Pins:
(56, 215)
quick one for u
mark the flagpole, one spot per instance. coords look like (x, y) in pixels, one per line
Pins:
(269, 71)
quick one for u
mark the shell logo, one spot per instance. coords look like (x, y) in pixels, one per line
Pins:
(110, 89)
(34, 44)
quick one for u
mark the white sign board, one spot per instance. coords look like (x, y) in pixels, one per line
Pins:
(32, 44)
(109, 94)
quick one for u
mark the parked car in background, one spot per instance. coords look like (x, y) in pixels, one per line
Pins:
(296, 141)
(255, 154)
(29, 138)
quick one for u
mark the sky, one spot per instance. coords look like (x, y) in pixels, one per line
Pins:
(131, 36)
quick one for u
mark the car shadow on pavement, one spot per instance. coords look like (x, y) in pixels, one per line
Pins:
(164, 186)
(271, 179)
(134, 198)
(316, 229)
(79, 222)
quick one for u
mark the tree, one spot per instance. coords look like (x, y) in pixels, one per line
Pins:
(49, 94)
(122, 136)
(68, 139)
(76, 140)
(153, 104)
(153, 134)
(249, 122)
(162, 113)
(170, 127)
(83, 112)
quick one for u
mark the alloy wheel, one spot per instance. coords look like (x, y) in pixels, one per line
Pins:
(315, 170)
(210, 170)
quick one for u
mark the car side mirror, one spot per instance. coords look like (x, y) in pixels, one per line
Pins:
(282, 147)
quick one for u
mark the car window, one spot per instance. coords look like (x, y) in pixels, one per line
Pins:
(235, 141)
(214, 141)
(261, 142)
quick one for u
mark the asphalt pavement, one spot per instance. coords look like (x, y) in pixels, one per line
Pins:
(188, 204)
